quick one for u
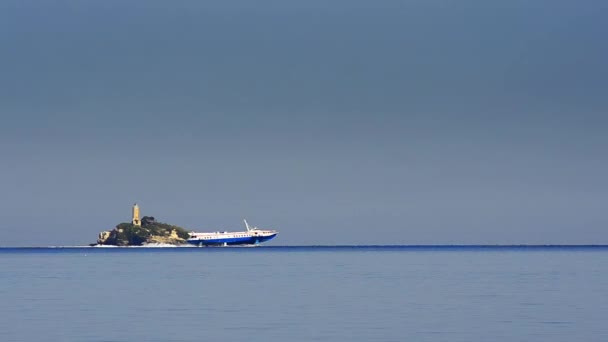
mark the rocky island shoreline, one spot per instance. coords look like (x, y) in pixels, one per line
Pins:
(142, 232)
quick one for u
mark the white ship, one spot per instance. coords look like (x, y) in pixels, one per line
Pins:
(253, 236)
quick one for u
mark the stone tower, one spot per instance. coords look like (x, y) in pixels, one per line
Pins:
(135, 220)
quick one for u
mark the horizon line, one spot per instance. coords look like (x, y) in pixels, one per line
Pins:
(321, 246)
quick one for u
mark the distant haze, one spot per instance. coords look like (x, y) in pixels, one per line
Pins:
(335, 122)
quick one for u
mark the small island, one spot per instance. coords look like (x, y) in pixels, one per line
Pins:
(143, 232)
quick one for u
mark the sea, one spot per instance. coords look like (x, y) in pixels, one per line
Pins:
(305, 293)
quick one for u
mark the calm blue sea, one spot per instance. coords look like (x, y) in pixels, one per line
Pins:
(304, 294)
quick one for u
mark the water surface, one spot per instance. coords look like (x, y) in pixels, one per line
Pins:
(304, 294)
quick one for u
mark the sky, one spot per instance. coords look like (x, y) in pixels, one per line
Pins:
(334, 122)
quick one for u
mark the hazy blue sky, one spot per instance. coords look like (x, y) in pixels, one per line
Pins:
(336, 122)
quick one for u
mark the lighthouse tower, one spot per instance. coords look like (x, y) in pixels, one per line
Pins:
(135, 220)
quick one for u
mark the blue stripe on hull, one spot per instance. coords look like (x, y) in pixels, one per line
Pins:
(253, 240)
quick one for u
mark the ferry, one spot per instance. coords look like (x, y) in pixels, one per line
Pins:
(253, 236)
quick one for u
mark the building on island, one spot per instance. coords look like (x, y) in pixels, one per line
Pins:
(135, 220)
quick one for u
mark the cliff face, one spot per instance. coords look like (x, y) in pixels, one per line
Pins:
(127, 234)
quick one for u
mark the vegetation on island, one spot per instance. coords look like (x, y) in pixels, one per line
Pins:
(150, 231)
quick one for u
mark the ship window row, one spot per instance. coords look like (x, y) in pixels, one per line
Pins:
(209, 237)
